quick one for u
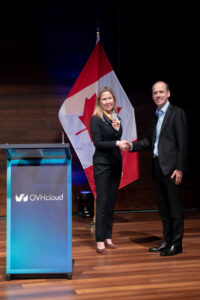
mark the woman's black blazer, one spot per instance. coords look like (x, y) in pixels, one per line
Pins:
(104, 137)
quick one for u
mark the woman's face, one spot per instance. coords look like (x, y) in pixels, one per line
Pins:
(107, 102)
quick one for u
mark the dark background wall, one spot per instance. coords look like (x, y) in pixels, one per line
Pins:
(43, 48)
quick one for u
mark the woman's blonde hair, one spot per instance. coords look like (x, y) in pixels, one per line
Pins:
(98, 109)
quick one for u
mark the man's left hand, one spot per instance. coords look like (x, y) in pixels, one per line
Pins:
(179, 175)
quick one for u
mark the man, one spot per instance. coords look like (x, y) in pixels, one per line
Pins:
(167, 137)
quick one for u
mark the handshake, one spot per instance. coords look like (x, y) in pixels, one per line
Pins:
(123, 145)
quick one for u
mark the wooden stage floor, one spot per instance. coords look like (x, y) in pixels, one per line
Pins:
(128, 272)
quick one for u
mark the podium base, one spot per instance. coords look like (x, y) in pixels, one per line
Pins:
(39, 276)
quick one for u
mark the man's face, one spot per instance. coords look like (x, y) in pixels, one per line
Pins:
(160, 94)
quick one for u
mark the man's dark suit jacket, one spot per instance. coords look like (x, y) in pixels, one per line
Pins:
(104, 137)
(173, 141)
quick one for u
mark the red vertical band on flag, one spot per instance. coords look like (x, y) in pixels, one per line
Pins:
(90, 177)
(130, 168)
(97, 66)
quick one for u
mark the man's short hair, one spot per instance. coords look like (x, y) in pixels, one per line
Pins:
(166, 84)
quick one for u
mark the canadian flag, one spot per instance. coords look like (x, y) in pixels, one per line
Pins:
(76, 111)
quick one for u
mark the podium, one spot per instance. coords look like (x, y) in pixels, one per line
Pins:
(39, 211)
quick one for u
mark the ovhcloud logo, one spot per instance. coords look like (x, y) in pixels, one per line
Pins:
(21, 197)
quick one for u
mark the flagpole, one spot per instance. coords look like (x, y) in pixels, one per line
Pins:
(92, 225)
(97, 33)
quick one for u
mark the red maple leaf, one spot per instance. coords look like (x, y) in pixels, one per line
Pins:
(118, 109)
(87, 114)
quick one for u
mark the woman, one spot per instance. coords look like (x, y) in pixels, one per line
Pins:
(106, 131)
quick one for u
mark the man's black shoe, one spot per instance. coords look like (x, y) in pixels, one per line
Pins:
(172, 250)
(160, 248)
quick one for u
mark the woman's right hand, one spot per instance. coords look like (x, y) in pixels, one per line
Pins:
(123, 145)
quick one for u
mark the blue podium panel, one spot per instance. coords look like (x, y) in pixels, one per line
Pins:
(39, 222)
